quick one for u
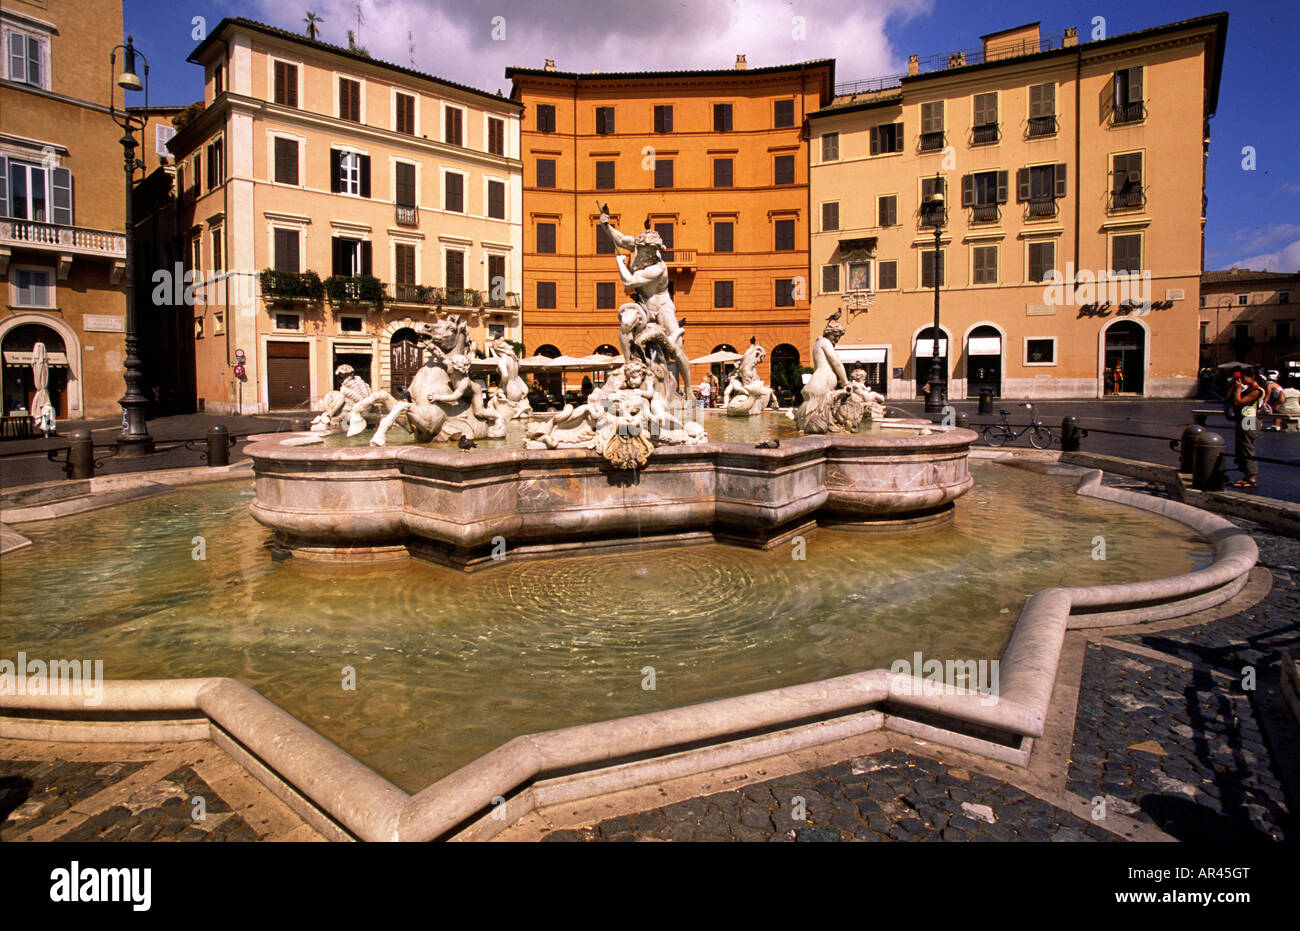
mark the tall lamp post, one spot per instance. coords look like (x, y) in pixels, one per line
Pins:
(134, 440)
(1218, 328)
(934, 398)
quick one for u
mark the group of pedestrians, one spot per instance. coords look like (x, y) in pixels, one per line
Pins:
(709, 391)
(1252, 395)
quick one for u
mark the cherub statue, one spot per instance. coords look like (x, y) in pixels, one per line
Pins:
(342, 404)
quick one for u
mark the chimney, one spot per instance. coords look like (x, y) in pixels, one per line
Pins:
(741, 64)
(913, 65)
(957, 60)
(1071, 37)
(550, 64)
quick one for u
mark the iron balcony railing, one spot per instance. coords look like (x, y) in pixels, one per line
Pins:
(931, 216)
(1038, 207)
(932, 142)
(1129, 197)
(1043, 126)
(408, 216)
(985, 134)
(985, 213)
(1130, 112)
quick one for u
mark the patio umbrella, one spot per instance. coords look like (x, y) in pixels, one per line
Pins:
(1233, 365)
(40, 378)
(713, 357)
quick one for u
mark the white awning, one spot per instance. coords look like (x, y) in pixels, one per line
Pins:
(984, 346)
(13, 357)
(864, 356)
(925, 347)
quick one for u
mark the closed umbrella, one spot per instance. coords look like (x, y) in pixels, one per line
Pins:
(40, 378)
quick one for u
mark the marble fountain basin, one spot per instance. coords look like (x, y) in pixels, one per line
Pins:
(470, 508)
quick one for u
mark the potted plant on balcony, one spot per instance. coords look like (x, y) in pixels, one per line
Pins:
(354, 289)
(291, 286)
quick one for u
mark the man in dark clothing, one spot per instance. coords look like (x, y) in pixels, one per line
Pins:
(1244, 395)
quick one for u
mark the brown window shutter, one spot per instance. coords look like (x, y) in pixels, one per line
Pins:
(875, 140)
(1002, 187)
(335, 184)
(1135, 85)
(366, 256)
(365, 175)
(336, 257)
(967, 190)
(280, 82)
(1119, 173)
(1060, 180)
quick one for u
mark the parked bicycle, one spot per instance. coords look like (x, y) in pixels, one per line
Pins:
(1040, 435)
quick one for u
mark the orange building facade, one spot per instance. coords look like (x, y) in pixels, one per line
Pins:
(715, 161)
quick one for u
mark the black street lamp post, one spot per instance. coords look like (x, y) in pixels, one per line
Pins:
(134, 440)
(934, 397)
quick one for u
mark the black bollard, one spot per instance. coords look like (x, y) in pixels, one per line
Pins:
(962, 420)
(81, 454)
(1070, 434)
(219, 446)
(1187, 447)
(986, 401)
(1207, 462)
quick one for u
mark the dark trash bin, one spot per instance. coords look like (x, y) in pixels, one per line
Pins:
(986, 401)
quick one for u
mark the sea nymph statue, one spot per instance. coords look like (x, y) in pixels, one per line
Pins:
(746, 395)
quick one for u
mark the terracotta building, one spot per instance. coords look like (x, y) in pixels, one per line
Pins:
(1249, 316)
(330, 203)
(715, 161)
(1054, 157)
(62, 206)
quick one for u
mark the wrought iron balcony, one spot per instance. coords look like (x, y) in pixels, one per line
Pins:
(931, 142)
(509, 302)
(1129, 197)
(985, 213)
(985, 134)
(1043, 126)
(408, 216)
(932, 216)
(1039, 207)
(412, 293)
(354, 289)
(1129, 112)
(278, 287)
(460, 297)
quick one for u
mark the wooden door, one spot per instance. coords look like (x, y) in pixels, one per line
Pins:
(288, 370)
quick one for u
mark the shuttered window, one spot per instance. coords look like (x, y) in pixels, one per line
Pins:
(286, 251)
(286, 160)
(605, 295)
(350, 257)
(986, 109)
(496, 136)
(405, 184)
(604, 121)
(497, 278)
(404, 263)
(984, 261)
(830, 279)
(349, 173)
(1042, 100)
(783, 114)
(932, 117)
(663, 172)
(722, 172)
(724, 294)
(546, 295)
(405, 114)
(455, 193)
(830, 147)
(783, 169)
(546, 238)
(888, 274)
(546, 172)
(453, 126)
(349, 100)
(1042, 259)
(1126, 173)
(886, 138)
(831, 216)
(286, 84)
(604, 176)
(927, 268)
(784, 235)
(1126, 254)
(722, 117)
(497, 200)
(216, 164)
(887, 210)
(723, 237)
(663, 118)
(784, 292)
(25, 59)
(455, 270)
(545, 118)
(984, 189)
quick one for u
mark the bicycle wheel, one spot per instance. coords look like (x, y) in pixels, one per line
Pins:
(995, 434)
(1040, 438)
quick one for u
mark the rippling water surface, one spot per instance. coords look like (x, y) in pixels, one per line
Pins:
(450, 665)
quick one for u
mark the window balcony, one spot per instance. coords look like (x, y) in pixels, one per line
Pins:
(985, 213)
(680, 259)
(930, 217)
(291, 287)
(354, 289)
(422, 294)
(1129, 112)
(1128, 198)
(1043, 126)
(408, 216)
(931, 142)
(1038, 208)
(509, 302)
(460, 297)
(66, 242)
(986, 134)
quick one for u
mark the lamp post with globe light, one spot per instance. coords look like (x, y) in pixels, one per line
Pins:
(935, 396)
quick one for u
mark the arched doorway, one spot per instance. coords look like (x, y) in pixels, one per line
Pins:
(923, 350)
(550, 382)
(1124, 364)
(405, 357)
(19, 385)
(785, 373)
(983, 361)
(605, 349)
(722, 370)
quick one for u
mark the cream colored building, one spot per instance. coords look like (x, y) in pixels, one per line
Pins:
(1083, 159)
(400, 191)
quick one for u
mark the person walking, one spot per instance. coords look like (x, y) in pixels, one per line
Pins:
(704, 392)
(1244, 394)
(1273, 399)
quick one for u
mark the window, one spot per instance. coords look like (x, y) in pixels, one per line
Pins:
(455, 192)
(26, 59)
(1126, 254)
(1042, 110)
(1126, 180)
(496, 200)
(663, 172)
(34, 192)
(1243, 300)
(1284, 297)
(546, 238)
(404, 263)
(783, 169)
(784, 235)
(198, 327)
(830, 279)
(830, 147)
(984, 265)
(218, 79)
(724, 294)
(1283, 332)
(546, 172)
(216, 164)
(286, 251)
(161, 136)
(784, 292)
(405, 114)
(404, 184)
(351, 324)
(1040, 351)
(350, 173)
(349, 100)
(545, 118)
(930, 214)
(1241, 332)
(831, 216)
(496, 136)
(453, 126)
(218, 264)
(722, 117)
(350, 257)
(722, 176)
(496, 279)
(783, 114)
(604, 121)
(1205, 331)
(286, 160)
(604, 245)
(887, 210)
(196, 256)
(886, 138)
(1128, 95)
(32, 287)
(932, 126)
(663, 118)
(605, 295)
(723, 237)
(284, 321)
(983, 191)
(454, 277)
(1042, 260)
(985, 128)
(1040, 186)
(928, 267)
(285, 92)
(665, 231)
(859, 276)
(888, 273)
(604, 176)
(546, 295)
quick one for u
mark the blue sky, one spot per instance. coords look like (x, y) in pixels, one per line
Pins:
(1254, 215)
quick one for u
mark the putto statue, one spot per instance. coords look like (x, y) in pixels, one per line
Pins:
(648, 326)
(511, 397)
(624, 420)
(832, 402)
(341, 405)
(746, 395)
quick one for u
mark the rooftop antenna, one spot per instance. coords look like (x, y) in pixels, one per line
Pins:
(360, 20)
(410, 46)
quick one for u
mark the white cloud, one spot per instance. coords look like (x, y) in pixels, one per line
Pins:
(454, 40)
(1286, 259)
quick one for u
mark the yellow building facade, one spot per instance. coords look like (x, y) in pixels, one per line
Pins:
(1072, 177)
(332, 203)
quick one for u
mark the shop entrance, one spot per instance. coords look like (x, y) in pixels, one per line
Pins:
(923, 353)
(19, 379)
(1125, 371)
(984, 362)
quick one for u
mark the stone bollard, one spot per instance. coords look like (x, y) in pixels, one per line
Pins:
(1187, 447)
(81, 454)
(219, 446)
(1207, 462)
(962, 420)
(1070, 434)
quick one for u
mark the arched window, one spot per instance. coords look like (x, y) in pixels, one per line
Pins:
(605, 349)
(551, 352)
